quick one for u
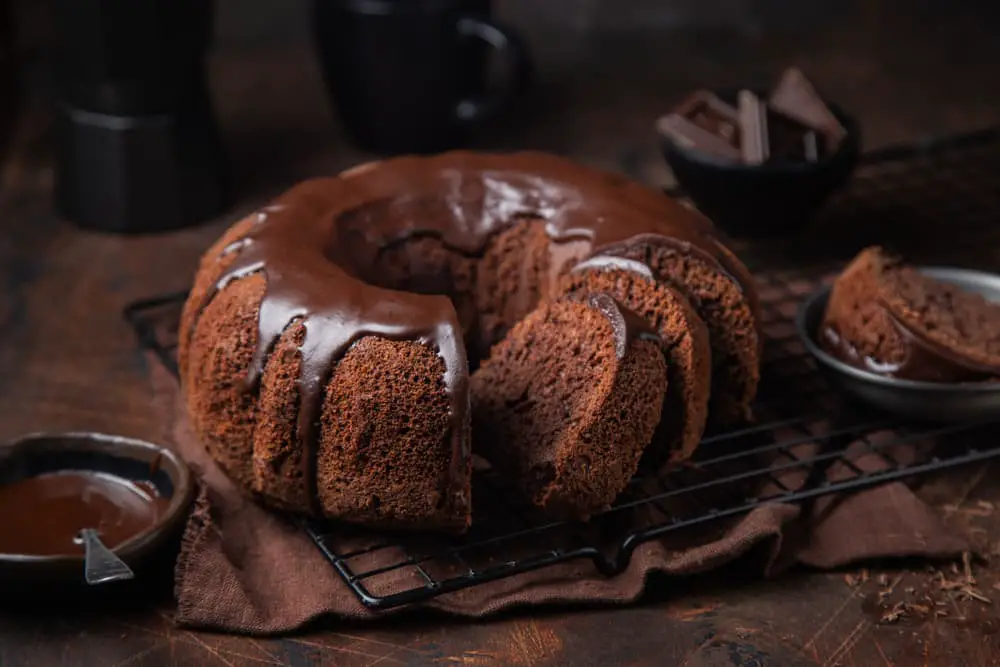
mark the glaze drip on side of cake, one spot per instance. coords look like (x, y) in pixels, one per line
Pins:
(627, 326)
(462, 198)
(336, 311)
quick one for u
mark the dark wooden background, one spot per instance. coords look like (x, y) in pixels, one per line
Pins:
(607, 69)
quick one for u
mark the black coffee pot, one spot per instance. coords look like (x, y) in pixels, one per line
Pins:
(138, 146)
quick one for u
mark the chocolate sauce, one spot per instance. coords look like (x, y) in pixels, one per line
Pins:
(460, 198)
(42, 515)
(626, 324)
(925, 360)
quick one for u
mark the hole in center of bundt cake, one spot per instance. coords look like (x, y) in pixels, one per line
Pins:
(491, 289)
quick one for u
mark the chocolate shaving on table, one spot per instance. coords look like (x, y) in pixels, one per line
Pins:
(754, 143)
(796, 98)
(692, 137)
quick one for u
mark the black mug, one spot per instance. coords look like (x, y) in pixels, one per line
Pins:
(407, 76)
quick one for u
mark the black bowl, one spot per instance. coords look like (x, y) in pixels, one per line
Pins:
(27, 575)
(762, 200)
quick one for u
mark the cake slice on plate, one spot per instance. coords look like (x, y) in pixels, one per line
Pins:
(889, 318)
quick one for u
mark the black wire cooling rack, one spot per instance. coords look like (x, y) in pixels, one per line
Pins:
(808, 441)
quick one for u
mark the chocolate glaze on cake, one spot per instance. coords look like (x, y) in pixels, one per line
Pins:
(337, 311)
(306, 249)
(612, 262)
(626, 325)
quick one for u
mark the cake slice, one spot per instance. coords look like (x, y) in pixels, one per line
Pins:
(685, 345)
(725, 299)
(888, 318)
(568, 401)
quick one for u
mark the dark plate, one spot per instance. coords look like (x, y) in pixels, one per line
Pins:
(127, 458)
(922, 401)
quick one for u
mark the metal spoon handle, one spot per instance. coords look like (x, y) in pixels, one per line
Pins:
(100, 564)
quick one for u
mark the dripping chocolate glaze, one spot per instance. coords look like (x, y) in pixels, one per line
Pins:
(460, 197)
(925, 359)
(336, 311)
(626, 325)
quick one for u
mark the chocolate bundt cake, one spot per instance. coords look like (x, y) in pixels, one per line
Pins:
(326, 344)
(568, 401)
(686, 347)
(888, 318)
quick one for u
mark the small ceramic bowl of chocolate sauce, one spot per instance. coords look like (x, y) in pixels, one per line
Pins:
(755, 171)
(924, 401)
(135, 494)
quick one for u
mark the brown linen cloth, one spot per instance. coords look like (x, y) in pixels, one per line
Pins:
(245, 570)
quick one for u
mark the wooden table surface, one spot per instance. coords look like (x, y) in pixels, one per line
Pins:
(67, 360)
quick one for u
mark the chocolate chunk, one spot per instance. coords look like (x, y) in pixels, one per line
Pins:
(706, 110)
(754, 144)
(793, 125)
(692, 137)
(811, 146)
(796, 98)
(790, 140)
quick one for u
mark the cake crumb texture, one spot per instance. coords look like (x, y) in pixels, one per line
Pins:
(561, 415)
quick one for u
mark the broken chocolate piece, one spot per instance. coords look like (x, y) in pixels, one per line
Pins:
(692, 137)
(792, 125)
(811, 146)
(754, 144)
(706, 110)
(796, 98)
(790, 140)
